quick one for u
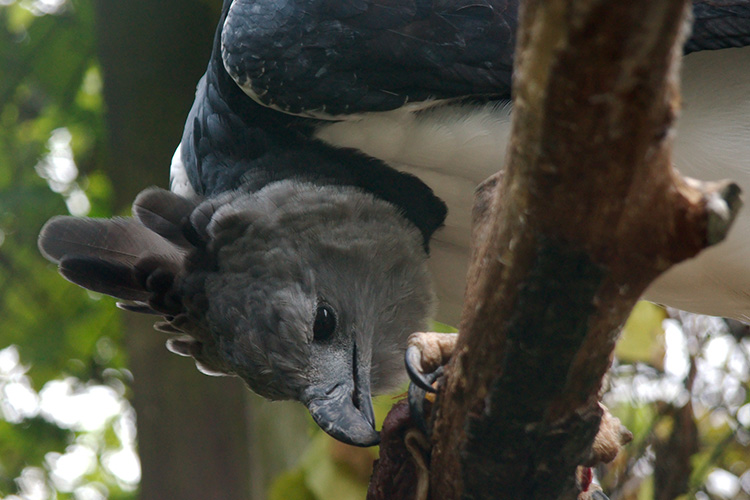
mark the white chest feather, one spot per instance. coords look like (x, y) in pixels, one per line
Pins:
(439, 138)
(454, 147)
(178, 179)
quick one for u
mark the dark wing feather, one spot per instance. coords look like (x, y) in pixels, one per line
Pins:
(118, 239)
(145, 260)
(231, 141)
(332, 57)
(719, 24)
(226, 133)
(164, 213)
(103, 276)
(119, 257)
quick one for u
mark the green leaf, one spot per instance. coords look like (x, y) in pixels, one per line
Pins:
(642, 338)
(326, 479)
(290, 486)
(442, 327)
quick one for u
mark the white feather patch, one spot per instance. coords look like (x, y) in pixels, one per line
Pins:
(178, 179)
(438, 138)
(453, 147)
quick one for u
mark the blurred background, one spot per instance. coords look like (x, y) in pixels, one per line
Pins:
(93, 97)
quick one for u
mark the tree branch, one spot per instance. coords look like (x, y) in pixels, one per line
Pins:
(588, 213)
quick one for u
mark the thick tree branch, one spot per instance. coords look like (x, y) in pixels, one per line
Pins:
(588, 213)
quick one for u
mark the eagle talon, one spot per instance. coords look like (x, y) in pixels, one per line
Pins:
(413, 361)
(416, 398)
(426, 352)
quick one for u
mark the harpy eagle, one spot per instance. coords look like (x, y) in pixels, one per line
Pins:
(306, 221)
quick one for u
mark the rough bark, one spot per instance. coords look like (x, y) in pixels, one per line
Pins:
(587, 214)
(396, 476)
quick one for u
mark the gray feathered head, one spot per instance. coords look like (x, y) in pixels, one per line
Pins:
(305, 292)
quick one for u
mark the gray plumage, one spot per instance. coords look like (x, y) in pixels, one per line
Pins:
(292, 251)
(242, 277)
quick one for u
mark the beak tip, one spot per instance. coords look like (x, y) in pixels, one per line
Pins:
(363, 438)
(342, 420)
(348, 426)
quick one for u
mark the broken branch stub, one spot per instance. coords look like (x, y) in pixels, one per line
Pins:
(588, 213)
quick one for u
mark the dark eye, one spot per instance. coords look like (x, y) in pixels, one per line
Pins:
(325, 322)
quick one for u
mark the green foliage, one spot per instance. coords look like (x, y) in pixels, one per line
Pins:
(442, 327)
(681, 388)
(51, 123)
(325, 472)
(326, 478)
(330, 470)
(28, 443)
(291, 486)
(642, 338)
(47, 58)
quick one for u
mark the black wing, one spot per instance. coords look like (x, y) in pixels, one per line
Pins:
(338, 57)
(333, 57)
(719, 24)
(231, 141)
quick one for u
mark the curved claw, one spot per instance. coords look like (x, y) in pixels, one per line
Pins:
(413, 361)
(416, 397)
(599, 495)
(416, 407)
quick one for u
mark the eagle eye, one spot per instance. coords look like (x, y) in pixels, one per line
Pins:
(325, 322)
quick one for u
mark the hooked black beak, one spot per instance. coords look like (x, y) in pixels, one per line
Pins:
(343, 409)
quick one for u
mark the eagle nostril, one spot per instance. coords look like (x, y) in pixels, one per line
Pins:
(332, 389)
(355, 393)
